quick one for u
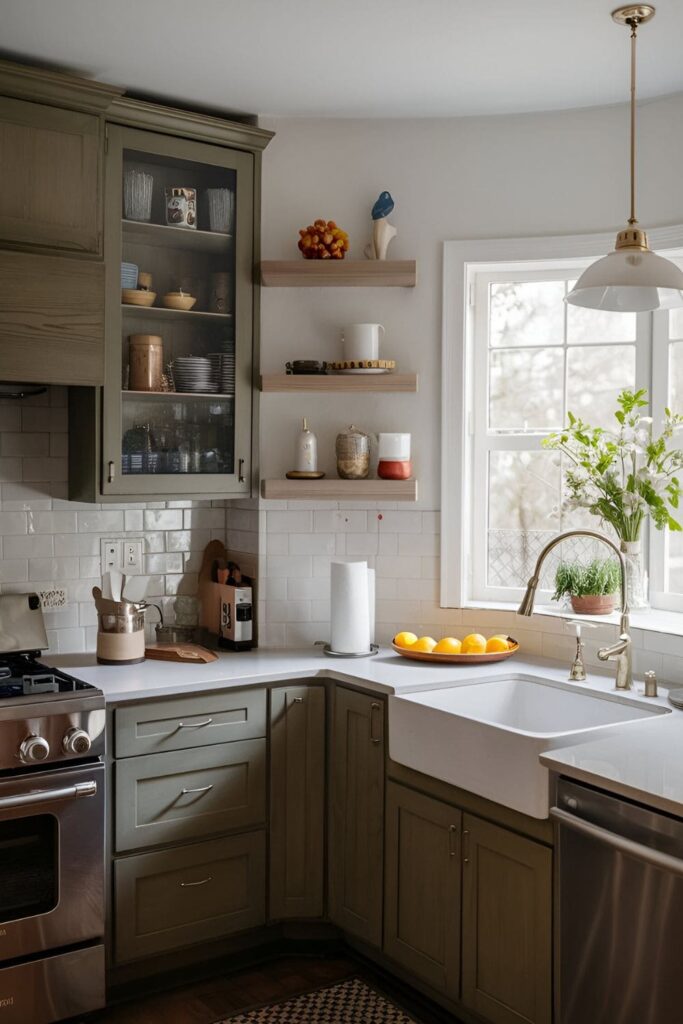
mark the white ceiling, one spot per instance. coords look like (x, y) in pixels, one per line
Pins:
(353, 58)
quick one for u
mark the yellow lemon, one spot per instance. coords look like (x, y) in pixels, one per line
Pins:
(405, 639)
(497, 644)
(474, 643)
(448, 645)
(425, 644)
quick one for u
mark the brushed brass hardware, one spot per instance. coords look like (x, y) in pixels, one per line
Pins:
(297, 700)
(466, 845)
(651, 684)
(112, 471)
(452, 845)
(240, 470)
(199, 789)
(194, 725)
(191, 885)
(373, 708)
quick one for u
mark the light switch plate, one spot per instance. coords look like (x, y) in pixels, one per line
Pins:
(122, 553)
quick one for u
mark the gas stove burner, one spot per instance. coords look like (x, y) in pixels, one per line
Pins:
(21, 675)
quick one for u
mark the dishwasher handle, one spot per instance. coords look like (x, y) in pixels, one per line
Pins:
(646, 855)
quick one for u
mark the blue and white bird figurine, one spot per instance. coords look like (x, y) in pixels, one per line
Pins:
(382, 230)
(383, 207)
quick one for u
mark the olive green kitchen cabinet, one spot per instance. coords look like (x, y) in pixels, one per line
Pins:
(297, 801)
(188, 894)
(51, 161)
(422, 888)
(506, 925)
(170, 437)
(356, 848)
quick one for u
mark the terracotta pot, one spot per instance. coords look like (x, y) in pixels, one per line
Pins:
(593, 604)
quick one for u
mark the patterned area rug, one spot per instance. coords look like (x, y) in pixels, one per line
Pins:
(348, 1002)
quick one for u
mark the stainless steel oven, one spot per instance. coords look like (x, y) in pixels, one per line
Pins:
(619, 904)
(52, 797)
(51, 860)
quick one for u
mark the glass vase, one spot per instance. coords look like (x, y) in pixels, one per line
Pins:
(636, 577)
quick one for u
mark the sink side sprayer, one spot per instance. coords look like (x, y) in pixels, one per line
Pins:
(620, 651)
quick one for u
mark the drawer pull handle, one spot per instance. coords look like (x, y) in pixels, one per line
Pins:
(374, 707)
(452, 845)
(200, 789)
(297, 700)
(194, 725)
(191, 885)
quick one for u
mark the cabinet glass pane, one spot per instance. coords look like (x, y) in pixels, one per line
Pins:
(177, 306)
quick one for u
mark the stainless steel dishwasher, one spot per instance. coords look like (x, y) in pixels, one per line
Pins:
(619, 910)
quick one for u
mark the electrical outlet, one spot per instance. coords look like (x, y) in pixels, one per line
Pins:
(123, 554)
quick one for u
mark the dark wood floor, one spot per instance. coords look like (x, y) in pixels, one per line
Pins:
(208, 1001)
(205, 1002)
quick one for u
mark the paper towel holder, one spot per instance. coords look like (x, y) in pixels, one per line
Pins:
(374, 649)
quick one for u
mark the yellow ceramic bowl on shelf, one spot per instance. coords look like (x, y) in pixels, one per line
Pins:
(179, 300)
(137, 297)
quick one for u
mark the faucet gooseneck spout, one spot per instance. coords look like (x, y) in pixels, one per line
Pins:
(620, 651)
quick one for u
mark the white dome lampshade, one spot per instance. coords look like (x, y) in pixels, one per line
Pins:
(632, 279)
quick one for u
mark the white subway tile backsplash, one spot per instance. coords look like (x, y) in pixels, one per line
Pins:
(50, 522)
(10, 469)
(133, 520)
(53, 569)
(13, 522)
(164, 564)
(45, 469)
(163, 519)
(100, 522)
(24, 444)
(202, 519)
(289, 522)
(312, 544)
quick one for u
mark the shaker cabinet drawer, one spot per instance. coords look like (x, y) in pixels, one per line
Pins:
(177, 796)
(160, 725)
(189, 894)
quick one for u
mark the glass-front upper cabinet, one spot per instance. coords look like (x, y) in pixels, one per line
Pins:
(177, 404)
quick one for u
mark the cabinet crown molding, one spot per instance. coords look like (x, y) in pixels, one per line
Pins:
(56, 88)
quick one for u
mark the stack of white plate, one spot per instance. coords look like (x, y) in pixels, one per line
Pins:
(192, 374)
(223, 372)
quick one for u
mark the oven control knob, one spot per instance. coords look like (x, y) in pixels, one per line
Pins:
(76, 741)
(34, 748)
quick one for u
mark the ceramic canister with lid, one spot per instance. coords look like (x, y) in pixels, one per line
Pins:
(394, 457)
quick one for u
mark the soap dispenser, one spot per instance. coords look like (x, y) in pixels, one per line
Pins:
(306, 450)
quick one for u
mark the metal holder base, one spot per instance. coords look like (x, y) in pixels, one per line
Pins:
(374, 649)
(640, 13)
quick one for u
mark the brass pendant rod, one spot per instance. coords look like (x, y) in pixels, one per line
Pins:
(634, 36)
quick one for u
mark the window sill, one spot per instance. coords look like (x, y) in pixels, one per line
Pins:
(654, 620)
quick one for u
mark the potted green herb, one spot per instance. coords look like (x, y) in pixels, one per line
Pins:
(590, 587)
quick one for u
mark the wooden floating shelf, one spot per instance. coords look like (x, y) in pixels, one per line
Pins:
(340, 490)
(162, 313)
(211, 396)
(144, 233)
(339, 273)
(339, 382)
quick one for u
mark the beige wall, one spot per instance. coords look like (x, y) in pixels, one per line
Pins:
(540, 174)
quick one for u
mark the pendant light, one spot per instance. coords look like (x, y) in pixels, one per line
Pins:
(632, 279)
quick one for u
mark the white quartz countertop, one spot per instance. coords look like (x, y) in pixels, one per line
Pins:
(386, 672)
(643, 763)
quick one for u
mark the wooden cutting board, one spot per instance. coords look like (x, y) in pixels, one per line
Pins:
(187, 653)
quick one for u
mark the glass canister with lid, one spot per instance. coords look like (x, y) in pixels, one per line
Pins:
(353, 454)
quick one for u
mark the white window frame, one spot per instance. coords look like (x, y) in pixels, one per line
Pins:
(463, 260)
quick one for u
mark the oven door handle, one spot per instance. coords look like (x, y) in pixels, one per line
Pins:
(43, 796)
(654, 858)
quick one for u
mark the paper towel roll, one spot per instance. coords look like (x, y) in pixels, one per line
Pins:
(349, 608)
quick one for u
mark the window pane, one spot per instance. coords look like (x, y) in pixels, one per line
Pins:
(676, 377)
(595, 376)
(596, 326)
(531, 313)
(676, 323)
(524, 495)
(525, 389)
(676, 563)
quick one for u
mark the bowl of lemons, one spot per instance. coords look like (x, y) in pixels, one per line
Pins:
(474, 649)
